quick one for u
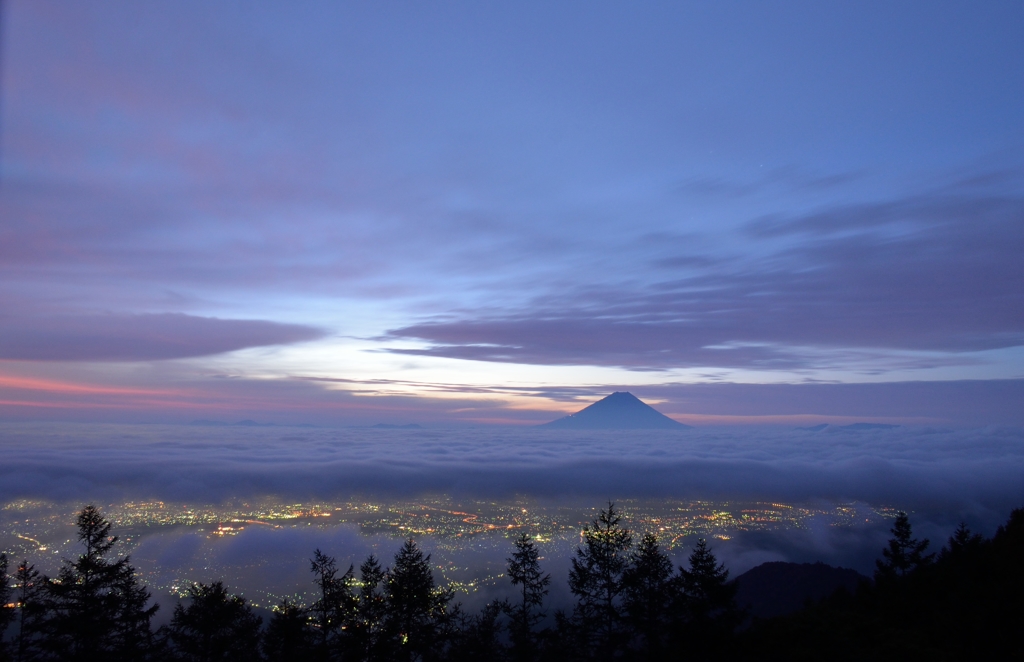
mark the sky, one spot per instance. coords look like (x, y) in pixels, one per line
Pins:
(479, 214)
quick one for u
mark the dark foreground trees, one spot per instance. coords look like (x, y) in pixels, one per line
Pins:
(630, 604)
(288, 637)
(526, 610)
(965, 603)
(94, 608)
(214, 625)
(6, 615)
(595, 578)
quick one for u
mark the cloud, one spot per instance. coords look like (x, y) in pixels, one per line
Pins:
(932, 273)
(175, 393)
(146, 337)
(974, 402)
(951, 472)
(784, 177)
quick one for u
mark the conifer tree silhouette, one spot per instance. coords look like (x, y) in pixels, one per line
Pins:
(478, 637)
(215, 625)
(904, 554)
(96, 608)
(1007, 559)
(288, 637)
(962, 556)
(417, 610)
(6, 613)
(963, 605)
(525, 613)
(962, 541)
(650, 596)
(368, 631)
(708, 598)
(595, 578)
(31, 600)
(335, 605)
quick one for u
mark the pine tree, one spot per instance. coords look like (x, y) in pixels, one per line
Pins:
(962, 542)
(524, 571)
(334, 606)
(1007, 567)
(369, 639)
(649, 597)
(904, 554)
(417, 610)
(215, 626)
(31, 600)
(288, 637)
(708, 599)
(133, 634)
(96, 608)
(6, 613)
(595, 578)
(478, 637)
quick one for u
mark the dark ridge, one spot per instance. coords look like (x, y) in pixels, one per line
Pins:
(815, 428)
(390, 426)
(619, 411)
(778, 588)
(868, 426)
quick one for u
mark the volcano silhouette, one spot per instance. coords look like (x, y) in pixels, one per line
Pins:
(619, 411)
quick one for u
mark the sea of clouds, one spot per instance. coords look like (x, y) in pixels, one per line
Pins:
(975, 473)
(942, 476)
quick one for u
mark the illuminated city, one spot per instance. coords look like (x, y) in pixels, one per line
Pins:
(43, 532)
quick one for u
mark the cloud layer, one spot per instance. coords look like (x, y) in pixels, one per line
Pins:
(951, 472)
(938, 273)
(149, 337)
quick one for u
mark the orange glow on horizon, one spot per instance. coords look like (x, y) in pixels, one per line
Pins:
(51, 386)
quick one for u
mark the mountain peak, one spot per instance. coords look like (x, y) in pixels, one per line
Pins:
(619, 411)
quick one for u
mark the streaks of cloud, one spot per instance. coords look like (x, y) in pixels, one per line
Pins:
(964, 402)
(934, 274)
(118, 337)
(88, 394)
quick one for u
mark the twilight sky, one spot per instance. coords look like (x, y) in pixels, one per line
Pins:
(482, 213)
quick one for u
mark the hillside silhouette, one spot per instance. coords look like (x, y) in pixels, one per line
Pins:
(777, 588)
(619, 411)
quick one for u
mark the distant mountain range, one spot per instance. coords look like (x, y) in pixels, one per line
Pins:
(854, 427)
(619, 411)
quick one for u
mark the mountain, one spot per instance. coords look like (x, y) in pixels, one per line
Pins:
(619, 411)
(777, 588)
